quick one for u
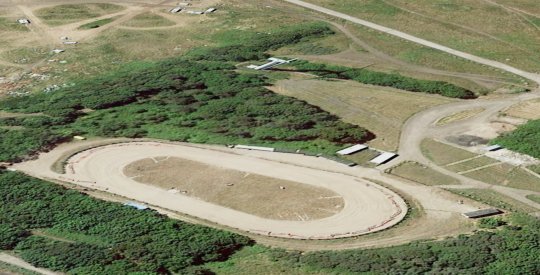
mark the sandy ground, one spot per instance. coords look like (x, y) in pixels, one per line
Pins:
(368, 207)
(241, 191)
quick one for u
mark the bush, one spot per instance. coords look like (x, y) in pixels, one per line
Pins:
(385, 79)
(490, 223)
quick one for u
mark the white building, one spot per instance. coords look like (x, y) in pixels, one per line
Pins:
(383, 158)
(352, 149)
(272, 63)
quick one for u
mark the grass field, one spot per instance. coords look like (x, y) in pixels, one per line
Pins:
(459, 116)
(471, 164)
(477, 27)
(69, 13)
(421, 174)
(148, 20)
(25, 55)
(11, 24)
(96, 24)
(443, 154)
(419, 55)
(535, 198)
(507, 175)
(245, 192)
(376, 108)
(494, 199)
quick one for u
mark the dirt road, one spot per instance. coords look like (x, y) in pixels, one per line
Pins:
(422, 126)
(528, 75)
(20, 263)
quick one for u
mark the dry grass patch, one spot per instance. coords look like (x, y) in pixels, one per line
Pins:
(528, 109)
(494, 199)
(381, 110)
(422, 174)
(463, 115)
(250, 193)
(363, 157)
(443, 154)
(507, 175)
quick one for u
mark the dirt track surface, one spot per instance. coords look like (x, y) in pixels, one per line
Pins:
(245, 192)
(368, 207)
(528, 75)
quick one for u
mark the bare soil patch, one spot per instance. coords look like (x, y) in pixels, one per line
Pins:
(467, 140)
(254, 194)
(527, 110)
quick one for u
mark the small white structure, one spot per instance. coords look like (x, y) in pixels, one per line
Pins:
(493, 148)
(383, 158)
(352, 149)
(258, 148)
(136, 205)
(23, 21)
(70, 42)
(272, 63)
(210, 10)
(176, 10)
(195, 12)
(79, 137)
(57, 51)
(64, 38)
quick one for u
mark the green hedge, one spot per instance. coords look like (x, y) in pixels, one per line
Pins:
(385, 79)
(525, 139)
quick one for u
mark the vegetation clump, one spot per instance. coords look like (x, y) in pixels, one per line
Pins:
(525, 139)
(82, 235)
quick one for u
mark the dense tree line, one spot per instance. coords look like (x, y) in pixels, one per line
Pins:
(109, 238)
(514, 249)
(525, 139)
(385, 79)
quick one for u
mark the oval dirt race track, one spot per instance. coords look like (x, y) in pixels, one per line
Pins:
(368, 207)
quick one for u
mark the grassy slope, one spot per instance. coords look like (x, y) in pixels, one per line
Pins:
(516, 41)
